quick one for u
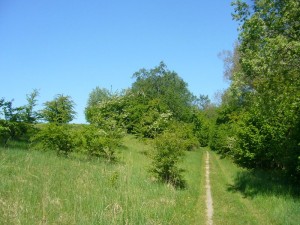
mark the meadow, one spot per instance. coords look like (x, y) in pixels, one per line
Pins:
(43, 188)
(252, 197)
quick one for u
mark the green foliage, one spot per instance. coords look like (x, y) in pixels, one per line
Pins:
(60, 110)
(87, 140)
(203, 102)
(4, 134)
(54, 137)
(152, 121)
(258, 124)
(29, 115)
(160, 83)
(18, 121)
(157, 97)
(185, 133)
(13, 114)
(108, 110)
(201, 127)
(169, 149)
(97, 96)
(95, 142)
(218, 139)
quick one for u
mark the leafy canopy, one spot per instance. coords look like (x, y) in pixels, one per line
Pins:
(261, 109)
(165, 85)
(60, 110)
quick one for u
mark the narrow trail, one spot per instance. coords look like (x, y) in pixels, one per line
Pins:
(209, 201)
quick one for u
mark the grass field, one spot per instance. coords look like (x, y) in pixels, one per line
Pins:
(41, 188)
(244, 197)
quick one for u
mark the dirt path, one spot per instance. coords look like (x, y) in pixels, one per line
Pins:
(209, 201)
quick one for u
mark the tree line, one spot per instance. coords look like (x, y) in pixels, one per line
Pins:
(258, 123)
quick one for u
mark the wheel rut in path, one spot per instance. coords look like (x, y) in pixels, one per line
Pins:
(209, 200)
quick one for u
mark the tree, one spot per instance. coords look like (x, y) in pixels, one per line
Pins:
(262, 105)
(231, 60)
(161, 83)
(169, 151)
(97, 96)
(60, 110)
(31, 116)
(203, 102)
(15, 124)
(12, 114)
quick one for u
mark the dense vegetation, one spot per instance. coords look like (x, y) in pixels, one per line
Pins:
(258, 123)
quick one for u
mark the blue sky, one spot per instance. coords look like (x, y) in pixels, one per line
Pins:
(71, 46)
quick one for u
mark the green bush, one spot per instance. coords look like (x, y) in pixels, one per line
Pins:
(218, 140)
(152, 123)
(185, 133)
(201, 128)
(169, 150)
(58, 138)
(15, 131)
(4, 135)
(96, 142)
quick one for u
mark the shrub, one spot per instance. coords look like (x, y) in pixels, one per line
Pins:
(15, 131)
(169, 150)
(4, 135)
(96, 142)
(58, 138)
(201, 128)
(185, 133)
(152, 123)
(218, 139)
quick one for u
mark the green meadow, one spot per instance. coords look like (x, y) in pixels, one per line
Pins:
(42, 188)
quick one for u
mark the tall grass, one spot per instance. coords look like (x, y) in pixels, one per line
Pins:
(252, 197)
(41, 188)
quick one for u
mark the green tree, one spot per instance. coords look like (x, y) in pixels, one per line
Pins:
(97, 96)
(231, 60)
(12, 114)
(14, 125)
(31, 116)
(263, 102)
(161, 83)
(60, 110)
(169, 151)
(157, 96)
(203, 102)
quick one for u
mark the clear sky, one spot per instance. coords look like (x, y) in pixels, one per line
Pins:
(71, 46)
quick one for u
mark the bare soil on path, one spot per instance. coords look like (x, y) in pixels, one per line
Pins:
(209, 201)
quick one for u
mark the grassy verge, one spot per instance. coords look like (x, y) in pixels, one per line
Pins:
(41, 188)
(244, 197)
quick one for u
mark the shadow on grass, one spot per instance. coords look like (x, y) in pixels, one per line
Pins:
(253, 183)
(20, 145)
